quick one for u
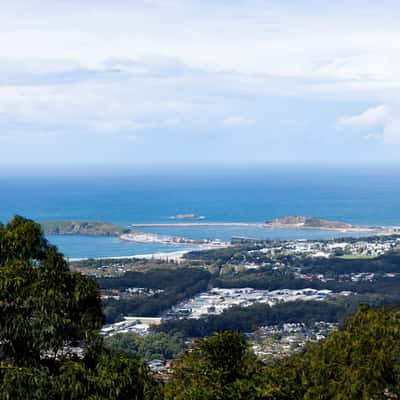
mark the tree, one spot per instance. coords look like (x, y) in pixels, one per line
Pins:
(362, 361)
(49, 323)
(221, 367)
(44, 308)
(152, 346)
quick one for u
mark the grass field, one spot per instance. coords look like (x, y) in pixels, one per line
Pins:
(356, 257)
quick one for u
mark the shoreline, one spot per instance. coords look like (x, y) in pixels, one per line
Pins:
(144, 237)
(131, 257)
(371, 229)
(177, 254)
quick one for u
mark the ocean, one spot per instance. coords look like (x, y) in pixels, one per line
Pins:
(362, 196)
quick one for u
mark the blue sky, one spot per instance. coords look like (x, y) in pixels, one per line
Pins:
(193, 82)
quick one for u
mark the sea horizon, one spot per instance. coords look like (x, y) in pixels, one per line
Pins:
(357, 196)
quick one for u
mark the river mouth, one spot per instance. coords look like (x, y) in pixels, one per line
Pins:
(79, 246)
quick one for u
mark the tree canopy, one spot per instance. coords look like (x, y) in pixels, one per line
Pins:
(221, 367)
(361, 361)
(44, 308)
(49, 323)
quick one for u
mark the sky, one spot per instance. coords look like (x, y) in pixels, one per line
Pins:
(199, 82)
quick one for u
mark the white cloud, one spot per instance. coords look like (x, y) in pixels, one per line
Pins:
(158, 67)
(369, 118)
(256, 37)
(382, 117)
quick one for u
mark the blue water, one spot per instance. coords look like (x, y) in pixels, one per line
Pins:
(75, 246)
(364, 196)
(224, 233)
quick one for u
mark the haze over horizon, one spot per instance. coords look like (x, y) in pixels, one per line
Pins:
(172, 82)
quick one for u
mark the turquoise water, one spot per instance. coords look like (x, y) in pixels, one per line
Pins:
(364, 196)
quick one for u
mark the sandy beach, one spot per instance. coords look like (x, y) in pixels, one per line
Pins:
(155, 256)
(176, 256)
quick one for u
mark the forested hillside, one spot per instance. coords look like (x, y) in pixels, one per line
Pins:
(50, 347)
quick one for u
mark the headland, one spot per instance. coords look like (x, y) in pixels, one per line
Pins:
(88, 228)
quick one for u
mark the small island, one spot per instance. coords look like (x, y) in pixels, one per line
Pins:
(88, 228)
(187, 216)
(308, 222)
(302, 222)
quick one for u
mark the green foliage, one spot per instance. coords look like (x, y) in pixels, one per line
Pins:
(48, 313)
(113, 377)
(177, 285)
(246, 319)
(98, 228)
(149, 347)
(21, 239)
(43, 307)
(221, 256)
(158, 278)
(362, 361)
(389, 262)
(220, 368)
(30, 383)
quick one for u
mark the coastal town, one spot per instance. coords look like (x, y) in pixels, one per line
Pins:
(216, 300)
(267, 254)
(270, 273)
(370, 247)
(213, 302)
(276, 342)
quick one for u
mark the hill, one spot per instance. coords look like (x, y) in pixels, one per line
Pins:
(95, 228)
(307, 222)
